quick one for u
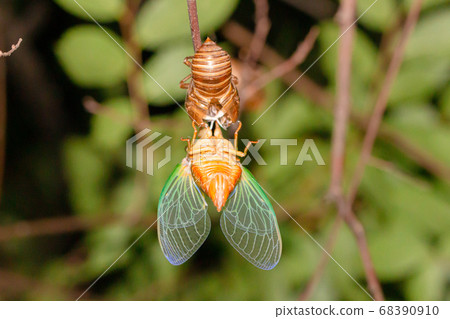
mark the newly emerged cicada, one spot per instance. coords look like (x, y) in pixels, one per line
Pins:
(248, 221)
(211, 93)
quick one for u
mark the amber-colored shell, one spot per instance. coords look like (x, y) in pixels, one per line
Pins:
(215, 167)
(212, 92)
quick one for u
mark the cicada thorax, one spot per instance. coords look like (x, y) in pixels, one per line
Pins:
(215, 166)
(212, 93)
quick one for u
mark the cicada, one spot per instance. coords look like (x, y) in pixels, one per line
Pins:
(211, 94)
(212, 168)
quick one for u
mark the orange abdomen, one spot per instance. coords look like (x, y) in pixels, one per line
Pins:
(217, 178)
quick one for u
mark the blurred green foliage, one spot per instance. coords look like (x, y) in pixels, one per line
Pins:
(406, 212)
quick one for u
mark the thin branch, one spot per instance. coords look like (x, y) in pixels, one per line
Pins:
(94, 107)
(345, 17)
(14, 47)
(262, 28)
(193, 21)
(390, 76)
(65, 225)
(300, 54)
(49, 226)
(240, 37)
(381, 104)
(134, 78)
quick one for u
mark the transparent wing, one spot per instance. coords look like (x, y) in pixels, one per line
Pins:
(249, 223)
(183, 222)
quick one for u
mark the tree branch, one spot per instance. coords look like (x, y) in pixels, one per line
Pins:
(193, 21)
(381, 104)
(14, 47)
(300, 54)
(376, 116)
(134, 79)
(346, 17)
(262, 28)
(65, 225)
(240, 37)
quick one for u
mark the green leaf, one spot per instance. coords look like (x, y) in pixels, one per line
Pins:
(430, 136)
(86, 176)
(91, 58)
(399, 198)
(100, 10)
(167, 69)
(380, 16)
(426, 4)
(111, 134)
(105, 246)
(419, 79)
(430, 37)
(428, 284)
(166, 21)
(297, 115)
(396, 251)
(444, 103)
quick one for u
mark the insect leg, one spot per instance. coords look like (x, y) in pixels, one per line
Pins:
(188, 141)
(183, 84)
(195, 132)
(248, 146)
(236, 136)
(188, 61)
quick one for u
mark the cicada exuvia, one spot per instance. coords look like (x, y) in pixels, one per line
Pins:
(248, 221)
(211, 94)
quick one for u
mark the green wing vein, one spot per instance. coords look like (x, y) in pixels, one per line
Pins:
(183, 222)
(249, 223)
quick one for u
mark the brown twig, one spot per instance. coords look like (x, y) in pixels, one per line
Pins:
(376, 118)
(345, 17)
(94, 107)
(240, 36)
(49, 226)
(381, 103)
(65, 225)
(193, 21)
(134, 79)
(14, 47)
(262, 28)
(300, 54)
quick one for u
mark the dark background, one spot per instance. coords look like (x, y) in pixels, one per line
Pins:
(69, 206)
